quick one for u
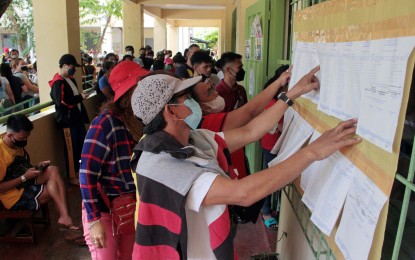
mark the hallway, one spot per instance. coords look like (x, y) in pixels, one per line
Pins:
(251, 239)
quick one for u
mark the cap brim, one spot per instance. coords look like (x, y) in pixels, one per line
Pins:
(188, 83)
(77, 65)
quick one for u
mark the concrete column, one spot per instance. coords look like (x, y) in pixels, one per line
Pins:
(133, 25)
(56, 32)
(160, 34)
(172, 38)
(225, 32)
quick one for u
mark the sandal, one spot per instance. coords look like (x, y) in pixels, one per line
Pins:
(271, 223)
(79, 241)
(71, 228)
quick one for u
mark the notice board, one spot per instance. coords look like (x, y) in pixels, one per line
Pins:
(340, 22)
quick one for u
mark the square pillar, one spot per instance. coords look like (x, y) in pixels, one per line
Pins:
(160, 34)
(172, 38)
(57, 32)
(133, 25)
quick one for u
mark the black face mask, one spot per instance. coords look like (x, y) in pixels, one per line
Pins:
(240, 75)
(203, 77)
(20, 144)
(71, 72)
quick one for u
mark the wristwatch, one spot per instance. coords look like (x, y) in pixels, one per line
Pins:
(23, 178)
(284, 98)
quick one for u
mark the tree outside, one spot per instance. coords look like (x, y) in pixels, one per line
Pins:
(92, 11)
(209, 34)
(18, 19)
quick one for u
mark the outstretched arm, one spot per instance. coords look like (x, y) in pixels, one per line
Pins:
(241, 116)
(260, 125)
(250, 189)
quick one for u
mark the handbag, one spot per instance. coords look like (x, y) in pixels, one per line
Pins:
(122, 208)
(17, 168)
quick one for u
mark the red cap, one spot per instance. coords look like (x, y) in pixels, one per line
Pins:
(6, 49)
(125, 76)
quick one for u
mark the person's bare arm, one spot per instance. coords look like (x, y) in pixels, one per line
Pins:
(11, 184)
(263, 123)
(30, 86)
(252, 188)
(241, 116)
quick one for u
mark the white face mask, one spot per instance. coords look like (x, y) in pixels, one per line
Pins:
(216, 106)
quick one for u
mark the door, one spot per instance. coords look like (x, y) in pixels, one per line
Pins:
(266, 19)
(256, 63)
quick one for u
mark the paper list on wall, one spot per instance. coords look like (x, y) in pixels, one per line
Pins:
(319, 173)
(305, 59)
(344, 68)
(382, 97)
(333, 194)
(307, 174)
(288, 118)
(360, 216)
(298, 133)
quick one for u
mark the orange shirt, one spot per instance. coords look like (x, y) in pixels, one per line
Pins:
(7, 154)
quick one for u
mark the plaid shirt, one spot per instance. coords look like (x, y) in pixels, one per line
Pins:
(107, 149)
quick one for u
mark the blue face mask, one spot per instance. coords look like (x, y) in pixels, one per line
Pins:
(194, 118)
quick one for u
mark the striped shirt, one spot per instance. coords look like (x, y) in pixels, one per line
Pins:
(106, 159)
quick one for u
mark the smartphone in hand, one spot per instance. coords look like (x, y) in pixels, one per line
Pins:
(42, 167)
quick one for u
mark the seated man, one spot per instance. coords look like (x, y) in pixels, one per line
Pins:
(40, 183)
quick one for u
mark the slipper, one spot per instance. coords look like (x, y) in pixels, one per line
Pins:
(71, 228)
(271, 223)
(79, 241)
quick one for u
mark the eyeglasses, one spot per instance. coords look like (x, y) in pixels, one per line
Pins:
(211, 89)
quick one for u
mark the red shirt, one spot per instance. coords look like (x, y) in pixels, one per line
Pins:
(268, 140)
(234, 97)
(214, 122)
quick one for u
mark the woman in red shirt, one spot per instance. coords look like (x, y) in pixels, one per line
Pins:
(267, 143)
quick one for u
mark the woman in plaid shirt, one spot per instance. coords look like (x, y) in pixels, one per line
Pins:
(106, 160)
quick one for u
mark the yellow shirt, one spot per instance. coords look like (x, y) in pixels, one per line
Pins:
(7, 155)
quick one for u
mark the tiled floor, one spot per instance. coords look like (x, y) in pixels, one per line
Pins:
(251, 239)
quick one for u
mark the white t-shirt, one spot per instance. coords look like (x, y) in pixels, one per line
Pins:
(200, 217)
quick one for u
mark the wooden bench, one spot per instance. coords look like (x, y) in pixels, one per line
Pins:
(22, 231)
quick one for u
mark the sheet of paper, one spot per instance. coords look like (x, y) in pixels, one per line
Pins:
(305, 59)
(332, 196)
(327, 55)
(308, 173)
(360, 216)
(319, 173)
(298, 133)
(381, 98)
(344, 68)
(288, 118)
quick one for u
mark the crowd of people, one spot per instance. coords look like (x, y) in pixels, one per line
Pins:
(169, 140)
(18, 78)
